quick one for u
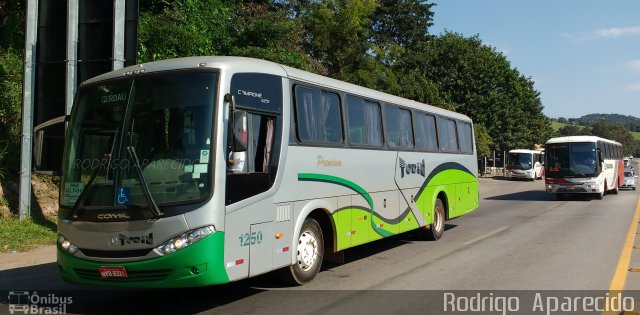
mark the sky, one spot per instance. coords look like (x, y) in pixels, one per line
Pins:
(583, 55)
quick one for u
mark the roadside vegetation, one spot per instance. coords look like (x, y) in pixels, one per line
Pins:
(18, 236)
(603, 126)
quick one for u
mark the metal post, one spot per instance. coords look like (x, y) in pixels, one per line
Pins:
(72, 53)
(504, 163)
(118, 33)
(28, 90)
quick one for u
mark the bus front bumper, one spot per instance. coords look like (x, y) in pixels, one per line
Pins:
(197, 265)
(586, 188)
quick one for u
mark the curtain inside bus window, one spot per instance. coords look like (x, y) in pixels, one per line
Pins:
(318, 116)
(372, 123)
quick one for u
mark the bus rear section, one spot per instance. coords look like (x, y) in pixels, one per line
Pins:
(583, 165)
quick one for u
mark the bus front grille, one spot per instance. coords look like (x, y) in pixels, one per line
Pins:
(142, 276)
(115, 253)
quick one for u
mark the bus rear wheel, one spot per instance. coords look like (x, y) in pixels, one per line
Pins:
(435, 230)
(309, 255)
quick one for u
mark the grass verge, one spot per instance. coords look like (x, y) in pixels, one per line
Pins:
(21, 236)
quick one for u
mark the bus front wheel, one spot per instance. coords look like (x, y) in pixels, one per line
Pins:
(309, 254)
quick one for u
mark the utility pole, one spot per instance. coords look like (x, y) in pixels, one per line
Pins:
(27, 108)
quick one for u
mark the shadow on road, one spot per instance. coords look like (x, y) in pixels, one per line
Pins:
(529, 195)
(541, 195)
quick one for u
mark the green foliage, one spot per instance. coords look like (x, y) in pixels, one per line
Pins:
(337, 35)
(617, 132)
(484, 142)
(262, 31)
(11, 24)
(482, 85)
(10, 110)
(574, 130)
(632, 123)
(400, 27)
(11, 46)
(185, 28)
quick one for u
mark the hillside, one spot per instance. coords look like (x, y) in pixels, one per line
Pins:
(633, 123)
(557, 125)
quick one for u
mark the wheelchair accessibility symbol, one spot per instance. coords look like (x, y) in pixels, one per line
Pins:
(122, 196)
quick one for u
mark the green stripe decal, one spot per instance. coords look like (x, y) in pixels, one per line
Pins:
(312, 177)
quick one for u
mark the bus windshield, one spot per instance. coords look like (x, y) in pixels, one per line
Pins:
(575, 159)
(140, 141)
(520, 161)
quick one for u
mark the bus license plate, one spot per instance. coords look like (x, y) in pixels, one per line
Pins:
(113, 272)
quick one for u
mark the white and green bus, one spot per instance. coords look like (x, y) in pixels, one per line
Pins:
(206, 170)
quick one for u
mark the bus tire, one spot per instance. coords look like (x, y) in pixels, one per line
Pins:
(434, 231)
(309, 255)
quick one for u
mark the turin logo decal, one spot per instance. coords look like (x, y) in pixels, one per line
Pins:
(411, 168)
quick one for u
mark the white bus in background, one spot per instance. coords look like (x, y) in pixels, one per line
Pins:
(583, 164)
(527, 164)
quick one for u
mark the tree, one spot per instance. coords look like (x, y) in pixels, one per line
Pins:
(400, 27)
(337, 35)
(263, 30)
(617, 132)
(483, 141)
(481, 84)
(184, 28)
(11, 47)
(573, 130)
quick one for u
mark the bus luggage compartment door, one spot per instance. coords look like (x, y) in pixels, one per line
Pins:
(259, 240)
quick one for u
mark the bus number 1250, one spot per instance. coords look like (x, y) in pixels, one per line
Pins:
(253, 238)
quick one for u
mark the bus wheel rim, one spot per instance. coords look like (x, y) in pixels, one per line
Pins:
(439, 221)
(307, 250)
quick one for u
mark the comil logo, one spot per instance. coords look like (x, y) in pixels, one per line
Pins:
(23, 302)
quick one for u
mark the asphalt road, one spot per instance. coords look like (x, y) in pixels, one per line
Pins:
(521, 238)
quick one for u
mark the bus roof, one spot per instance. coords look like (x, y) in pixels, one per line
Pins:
(244, 64)
(579, 139)
(524, 151)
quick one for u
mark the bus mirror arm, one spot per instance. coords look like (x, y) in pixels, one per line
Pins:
(237, 126)
(228, 98)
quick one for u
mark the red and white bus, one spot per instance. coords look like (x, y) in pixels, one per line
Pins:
(583, 164)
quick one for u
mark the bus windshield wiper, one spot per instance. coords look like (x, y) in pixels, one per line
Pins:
(153, 206)
(105, 158)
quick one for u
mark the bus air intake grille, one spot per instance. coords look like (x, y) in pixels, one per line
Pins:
(137, 276)
(115, 253)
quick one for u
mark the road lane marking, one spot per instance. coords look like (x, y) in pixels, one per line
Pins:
(486, 235)
(620, 275)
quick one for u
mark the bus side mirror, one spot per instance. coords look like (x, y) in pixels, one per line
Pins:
(48, 146)
(240, 131)
(600, 160)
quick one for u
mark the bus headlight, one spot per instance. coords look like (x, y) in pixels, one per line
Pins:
(67, 245)
(184, 240)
